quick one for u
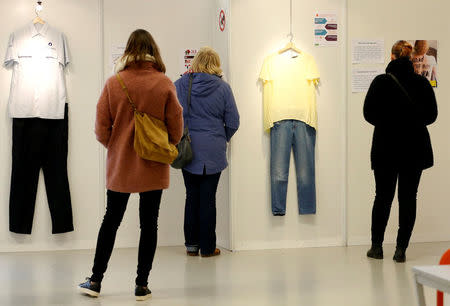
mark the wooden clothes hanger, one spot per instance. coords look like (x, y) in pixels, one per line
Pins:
(38, 20)
(290, 46)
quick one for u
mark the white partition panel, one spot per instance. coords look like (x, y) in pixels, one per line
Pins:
(93, 28)
(220, 42)
(391, 21)
(79, 21)
(253, 30)
(176, 26)
(259, 28)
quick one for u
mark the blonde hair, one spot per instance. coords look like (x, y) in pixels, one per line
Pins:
(402, 48)
(207, 61)
(421, 47)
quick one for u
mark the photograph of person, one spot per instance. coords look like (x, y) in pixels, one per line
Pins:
(424, 59)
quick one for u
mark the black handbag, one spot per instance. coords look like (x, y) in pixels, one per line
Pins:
(185, 155)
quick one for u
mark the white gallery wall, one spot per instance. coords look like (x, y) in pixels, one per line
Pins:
(220, 42)
(259, 28)
(92, 28)
(79, 21)
(176, 26)
(391, 21)
(221, 33)
(254, 29)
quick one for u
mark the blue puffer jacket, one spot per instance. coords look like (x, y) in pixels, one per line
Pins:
(213, 119)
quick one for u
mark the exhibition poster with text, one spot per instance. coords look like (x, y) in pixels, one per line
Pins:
(326, 29)
(186, 60)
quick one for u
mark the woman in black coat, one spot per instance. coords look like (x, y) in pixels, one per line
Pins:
(399, 104)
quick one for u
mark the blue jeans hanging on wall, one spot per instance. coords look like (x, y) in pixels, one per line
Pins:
(284, 136)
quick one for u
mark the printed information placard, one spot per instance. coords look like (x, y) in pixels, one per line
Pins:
(361, 78)
(368, 51)
(186, 60)
(326, 29)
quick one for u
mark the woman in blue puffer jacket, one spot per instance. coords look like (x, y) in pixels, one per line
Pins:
(212, 119)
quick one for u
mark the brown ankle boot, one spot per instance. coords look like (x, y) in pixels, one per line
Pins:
(215, 253)
(192, 253)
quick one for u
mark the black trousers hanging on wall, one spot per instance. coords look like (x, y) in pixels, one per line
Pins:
(40, 143)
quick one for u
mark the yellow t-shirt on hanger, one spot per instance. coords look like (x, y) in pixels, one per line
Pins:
(289, 88)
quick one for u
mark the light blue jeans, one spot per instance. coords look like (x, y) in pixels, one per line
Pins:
(284, 136)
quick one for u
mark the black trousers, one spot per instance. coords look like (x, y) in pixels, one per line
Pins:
(408, 183)
(39, 143)
(200, 211)
(148, 215)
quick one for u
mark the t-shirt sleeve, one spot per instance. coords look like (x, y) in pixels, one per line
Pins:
(313, 72)
(265, 74)
(64, 56)
(11, 51)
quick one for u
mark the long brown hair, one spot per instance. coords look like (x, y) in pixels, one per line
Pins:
(402, 48)
(140, 43)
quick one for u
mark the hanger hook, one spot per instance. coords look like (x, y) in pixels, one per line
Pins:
(291, 37)
(38, 8)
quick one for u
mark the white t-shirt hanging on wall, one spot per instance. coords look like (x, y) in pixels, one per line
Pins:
(289, 88)
(38, 55)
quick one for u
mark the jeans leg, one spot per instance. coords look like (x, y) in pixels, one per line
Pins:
(115, 208)
(280, 154)
(408, 183)
(191, 211)
(148, 215)
(304, 155)
(207, 212)
(385, 182)
(55, 174)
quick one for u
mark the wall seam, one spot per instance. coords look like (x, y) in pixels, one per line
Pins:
(346, 128)
(230, 175)
(101, 155)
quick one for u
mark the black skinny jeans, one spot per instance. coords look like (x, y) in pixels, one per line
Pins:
(148, 215)
(200, 211)
(408, 183)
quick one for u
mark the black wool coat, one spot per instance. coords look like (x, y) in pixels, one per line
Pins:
(400, 138)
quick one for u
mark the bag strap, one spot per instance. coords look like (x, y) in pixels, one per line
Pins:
(400, 86)
(125, 89)
(191, 77)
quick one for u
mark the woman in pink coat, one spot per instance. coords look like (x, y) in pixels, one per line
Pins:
(142, 71)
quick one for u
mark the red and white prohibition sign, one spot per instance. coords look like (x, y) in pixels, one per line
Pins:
(222, 21)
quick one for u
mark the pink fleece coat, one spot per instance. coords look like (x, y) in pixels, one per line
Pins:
(154, 94)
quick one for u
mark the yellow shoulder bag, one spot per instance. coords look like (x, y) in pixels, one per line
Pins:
(151, 140)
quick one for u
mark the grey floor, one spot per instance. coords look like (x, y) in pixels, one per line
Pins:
(311, 277)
